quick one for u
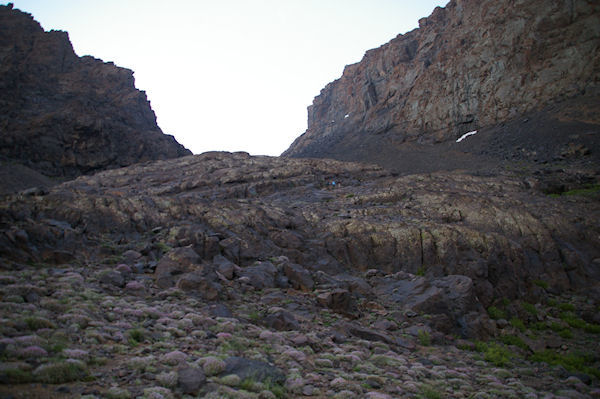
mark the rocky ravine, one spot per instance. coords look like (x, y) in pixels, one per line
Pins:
(473, 65)
(225, 275)
(64, 115)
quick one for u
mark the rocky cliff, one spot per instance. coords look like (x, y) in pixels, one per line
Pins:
(65, 115)
(469, 66)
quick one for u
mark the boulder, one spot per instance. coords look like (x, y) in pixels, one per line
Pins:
(339, 300)
(281, 320)
(451, 300)
(253, 369)
(260, 276)
(202, 282)
(298, 276)
(175, 262)
(190, 380)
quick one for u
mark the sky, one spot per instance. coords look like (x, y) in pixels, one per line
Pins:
(230, 75)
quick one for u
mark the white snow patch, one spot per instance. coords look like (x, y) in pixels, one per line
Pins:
(347, 115)
(464, 136)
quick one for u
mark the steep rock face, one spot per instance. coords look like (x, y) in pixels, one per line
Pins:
(64, 115)
(469, 65)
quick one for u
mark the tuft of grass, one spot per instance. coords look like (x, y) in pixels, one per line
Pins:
(529, 308)
(428, 392)
(592, 328)
(276, 389)
(136, 336)
(566, 307)
(164, 248)
(571, 319)
(15, 376)
(509, 339)
(518, 324)
(566, 333)
(424, 338)
(421, 271)
(61, 372)
(496, 313)
(541, 283)
(570, 361)
(37, 323)
(254, 316)
(494, 353)
(588, 189)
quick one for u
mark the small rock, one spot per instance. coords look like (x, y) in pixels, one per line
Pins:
(282, 320)
(135, 288)
(112, 277)
(130, 256)
(308, 390)
(220, 310)
(339, 300)
(124, 269)
(225, 266)
(255, 369)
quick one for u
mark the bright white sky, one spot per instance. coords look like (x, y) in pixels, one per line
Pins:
(231, 75)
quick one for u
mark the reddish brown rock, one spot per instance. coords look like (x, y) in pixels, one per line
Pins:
(176, 262)
(469, 66)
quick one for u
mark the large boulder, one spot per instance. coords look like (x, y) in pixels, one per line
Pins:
(175, 263)
(452, 299)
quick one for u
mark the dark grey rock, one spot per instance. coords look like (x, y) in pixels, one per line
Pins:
(253, 369)
(190, 379)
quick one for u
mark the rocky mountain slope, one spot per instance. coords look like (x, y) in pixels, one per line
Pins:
(230, 276)
(64, 115)
(226, 275)
(473, 65)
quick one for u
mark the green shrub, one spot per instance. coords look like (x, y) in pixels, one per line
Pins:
(566, 333)
(541, 283)
(424, 338)
(529, 308)
(570, 361)
(15, 376)
(567, 307)
(494, 353)
(513, 340)
(428, 392)
(571, 319)
(136, 336)
(518, 324)
(37, 323)
(592, 328)
(539, 326)
(496, 313)
(497, 355)
(61, 372)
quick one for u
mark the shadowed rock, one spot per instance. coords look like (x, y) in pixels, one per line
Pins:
(64, 115)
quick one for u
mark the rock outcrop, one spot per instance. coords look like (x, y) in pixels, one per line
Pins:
(469, 66)
(281, 223)
(269, 265)
(64, 115)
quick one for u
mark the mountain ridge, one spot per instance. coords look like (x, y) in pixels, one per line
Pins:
(469, 66)
(66, 115)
